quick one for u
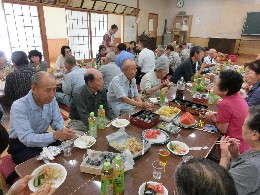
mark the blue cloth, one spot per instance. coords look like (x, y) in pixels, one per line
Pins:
(29, 122)
(120, 87)
(123, 56)
(253, 97)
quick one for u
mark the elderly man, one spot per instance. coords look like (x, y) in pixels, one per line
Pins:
(159, 51)
(211, 60)
(123, 55)
(74, 79)
(110, 70)
(151, 81)
(174, 58)
(18, 83)
(122, 91)
(86, 99)
(30, 118)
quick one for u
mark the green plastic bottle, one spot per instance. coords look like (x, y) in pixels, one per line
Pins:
(196, 77)
(92, 125)
(119, 176)
(101, 117)
(82, 63)
(93, 63)
(162, 96)
(107, 179)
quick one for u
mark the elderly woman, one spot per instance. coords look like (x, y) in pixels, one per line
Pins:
(232, 110)
(252, 78)
(151, 82)
(65, 51)
(244, 168)
(36, 62)
(203, 176)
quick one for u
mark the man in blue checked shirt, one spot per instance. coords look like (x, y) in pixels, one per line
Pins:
(30, 118)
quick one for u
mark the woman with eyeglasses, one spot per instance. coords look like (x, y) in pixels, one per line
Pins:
(252, 79)
(65, 51)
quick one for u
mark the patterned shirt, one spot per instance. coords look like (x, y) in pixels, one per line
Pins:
(175, 60)
(107, 39)
(85, 101)
(18, 83)
(42, 67)
(29, 122)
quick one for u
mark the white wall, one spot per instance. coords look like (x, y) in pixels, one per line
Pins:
(115, 19)
(55, 22)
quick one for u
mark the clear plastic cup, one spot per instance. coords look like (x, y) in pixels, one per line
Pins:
(67, 147)
(157, 169)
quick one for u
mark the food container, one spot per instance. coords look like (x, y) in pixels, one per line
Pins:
(200, 98)
(140, 117)
(167, 113)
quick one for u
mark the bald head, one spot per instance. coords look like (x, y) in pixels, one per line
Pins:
(40, 78)
(129, 69)
(212, 53)
(94, 79)
(128, 63)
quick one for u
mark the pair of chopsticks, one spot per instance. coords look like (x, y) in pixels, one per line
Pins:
(219, 142)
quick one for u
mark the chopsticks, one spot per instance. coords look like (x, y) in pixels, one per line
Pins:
(235, 140)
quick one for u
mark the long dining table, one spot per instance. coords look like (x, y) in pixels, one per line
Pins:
(83, 183)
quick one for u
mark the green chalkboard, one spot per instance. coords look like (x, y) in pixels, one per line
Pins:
(252, 24)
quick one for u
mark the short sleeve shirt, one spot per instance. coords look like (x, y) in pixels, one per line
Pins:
(148, 81)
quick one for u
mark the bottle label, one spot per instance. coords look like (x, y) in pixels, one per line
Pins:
(101, 122)
(93, 130)
(106, 185)
(118, 181)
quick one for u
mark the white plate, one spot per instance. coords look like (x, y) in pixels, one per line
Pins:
(157, 100)
(142, 188)
(160, 139)
(189, 126)
(183, 145)
(56, 183)
(118, 123)
(82, 142)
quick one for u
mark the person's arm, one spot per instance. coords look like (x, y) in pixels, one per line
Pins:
(253, 99)
(58, 63)
(222, 127)
(132, 102)
(67, 84)
(204, 65)
(150, 90)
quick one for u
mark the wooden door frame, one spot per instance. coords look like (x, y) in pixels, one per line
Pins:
(157, 23)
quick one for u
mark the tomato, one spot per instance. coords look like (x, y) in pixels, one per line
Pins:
(151, 134)
(160, 188)
(158, 132)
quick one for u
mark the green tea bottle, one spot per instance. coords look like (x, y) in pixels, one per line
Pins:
(101, 117)
(119, 176)
(92, 125)
(107, 179)
(162, 96)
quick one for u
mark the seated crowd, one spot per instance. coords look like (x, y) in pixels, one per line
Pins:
(115, 85)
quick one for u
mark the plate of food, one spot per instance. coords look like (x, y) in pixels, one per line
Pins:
(118, 123)
(84, 142)
(186, 120)
(155, 136)
(167, 113)
(169, 127)
(152, 188)
(51, 173)
(178, 148)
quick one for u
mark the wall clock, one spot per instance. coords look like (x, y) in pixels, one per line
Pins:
(180, 3)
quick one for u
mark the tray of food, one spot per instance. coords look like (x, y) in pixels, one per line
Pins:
(169, 127)
(200, 97)
(188, 106)
(122, 141)
(167, 113)
(155, 136)
(186, 121)
(145, 119)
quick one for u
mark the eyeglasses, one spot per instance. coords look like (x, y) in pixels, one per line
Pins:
(249, 72)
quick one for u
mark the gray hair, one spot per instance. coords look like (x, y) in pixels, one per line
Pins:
(37, 77)
(70, 60)
(161, 63)
(111, 56)
(161, 48)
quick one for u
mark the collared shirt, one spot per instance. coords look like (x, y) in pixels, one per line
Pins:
(146, 60)
(149, 81)
(210, 61)
(175, 60)
(109, 71)
(107, 39)
(41, 67)
(186, 70)
(85, 101)
(73, 79)
(59, 62)
(29, 122)
(123, 55)
(18, 83)
(253, 97)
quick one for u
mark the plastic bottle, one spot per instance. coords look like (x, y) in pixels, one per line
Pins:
(82, 63)
(119, 176)
(107, 179)
(180, 88)
(196, 77)
(162, 96)
(211, 98)
(101, 117)
(93, 63)
(92, 125)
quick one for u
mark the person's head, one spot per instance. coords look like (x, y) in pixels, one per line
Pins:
(160, 50)
(102, 49)
(65, 50)
(70, 62)
(4, 139)
(162, 67)
(212, 53)
(206, 51)
(169, 49)
(132, 44)
(2, 59)
(94, 79)
(35, 56)
(228, 83)
(142, 44)
(121, 47)
(197, 53)
(203, 176)
(251, 127)
(179, 48)
(43, 87)
(113, 29)
(129, 68)
(110, 57)
(252, 72)
(19, 59)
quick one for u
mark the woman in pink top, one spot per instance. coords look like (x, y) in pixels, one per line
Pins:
(232, 110)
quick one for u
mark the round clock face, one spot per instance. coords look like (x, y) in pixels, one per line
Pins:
(180, 3)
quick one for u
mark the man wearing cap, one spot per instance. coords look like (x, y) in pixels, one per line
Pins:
(151, 81)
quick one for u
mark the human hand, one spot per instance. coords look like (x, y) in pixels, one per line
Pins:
(148, 106)
(20, 187)
(204, 65)
(64, 134)
(45, 190)
(224, 146)
(233, 147)
(164, 84)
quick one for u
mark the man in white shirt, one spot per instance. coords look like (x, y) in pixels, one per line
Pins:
(211, 59)
(146, 60)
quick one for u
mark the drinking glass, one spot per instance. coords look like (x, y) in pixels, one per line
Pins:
(202, 116)
(163, 156)
(157, 169)
(67, 147)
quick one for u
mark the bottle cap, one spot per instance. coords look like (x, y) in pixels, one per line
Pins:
(106, 166)
(91, 114)
(118, 159)
(101, 106)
